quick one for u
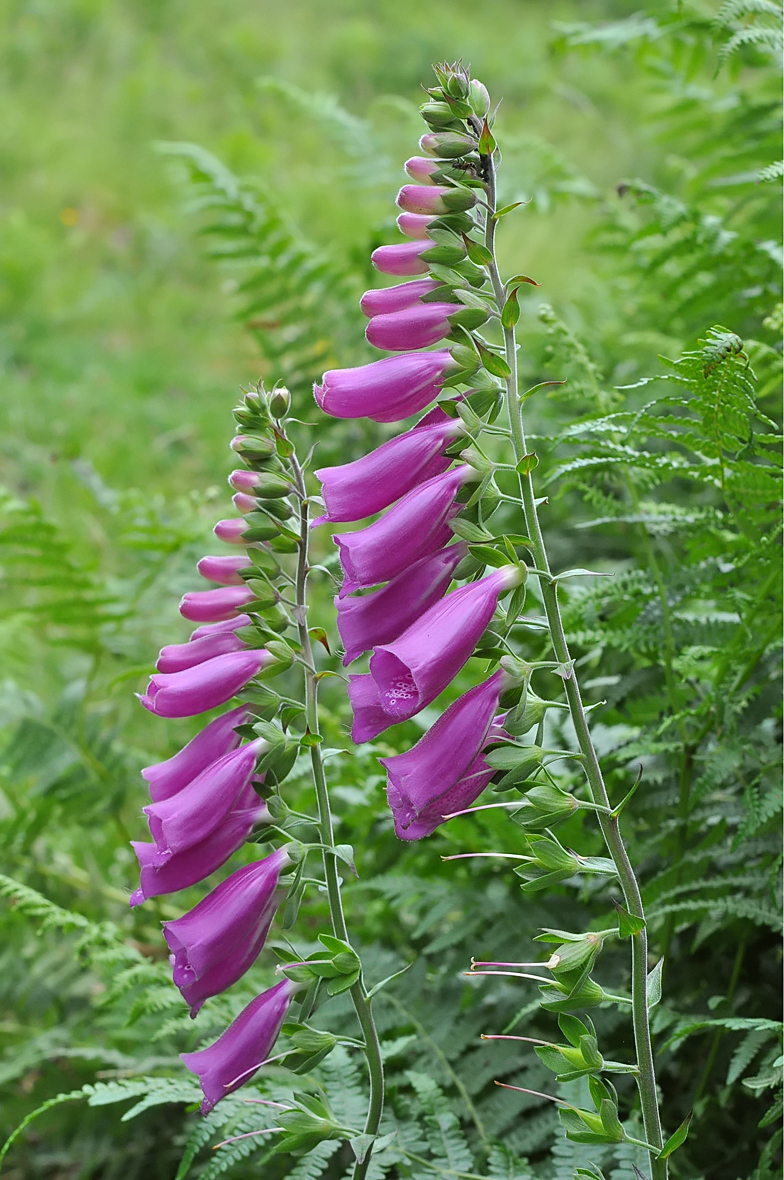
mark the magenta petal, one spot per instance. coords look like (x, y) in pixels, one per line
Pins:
(425, 783)
(235, 624)
(420, 169)
(369, 718)
(416, 667)
(415, 526)
(412, 327)
(224, 570)
(179, 656)
(231, 531)
(402, 259)
(372, 483)
(213, 606)
(386, 390)
(380, 617)
(205, 686)
(247, 1042)
(414, 225)
(215, 740)
(383, 300)
(422, 198)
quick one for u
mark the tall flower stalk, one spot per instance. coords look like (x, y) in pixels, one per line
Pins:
(419, 642)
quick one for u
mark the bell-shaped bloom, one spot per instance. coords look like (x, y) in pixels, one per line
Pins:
(232, 530)
(369, 619)
(215, 943)
(385, 390)
(200, 860)
(413, 327)
(401, 259)
(418, 524)
(434, 199)
(370, 719)
(243, 1048)
(213, 606)
(420, 169)
(223, 570)
(205, 686)
(187, 818)
(176, 657)
(216, 739)
(382, 300)
(243, 480)
(370, 484)
(414, 225)
(411, 671)
(235, 624)
(439, 775)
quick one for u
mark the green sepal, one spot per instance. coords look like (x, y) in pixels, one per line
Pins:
(628, 924)
(494, 363)
(510, 313)
(677, 1138)
(342, 983)
(489, 556)
(557, 998)
(479, 254)
(486, 142)
(527, 463)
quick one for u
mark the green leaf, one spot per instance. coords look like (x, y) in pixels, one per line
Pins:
(516, 281)
(468, 531)
(486, 141)
(507, 209)
(479, 254)
(677, 1138)
(628, 924)
(510, 313)
(653, 985)
(527, 463)
(488, 555)
(494, 363)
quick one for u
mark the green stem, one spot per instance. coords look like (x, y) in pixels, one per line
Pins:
(610, 830)
(326, 832)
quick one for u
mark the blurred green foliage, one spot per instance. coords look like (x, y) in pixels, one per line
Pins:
(654, 214)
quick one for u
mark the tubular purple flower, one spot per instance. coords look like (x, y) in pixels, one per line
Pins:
(365, 621)
(427, 782)
(207, 685)
(401, 259)
(235, 624)
(434, 198)
(231, 531)
(414, 225)
(223, 570)
(370, 719)
(215, 740)
(179, 656)
(382, 300)
(213, 606)
(236, 1055)
(416, 667)
(421, 169)
(386, 390)
(370, 484)
(187, 818)
(418, 524)
(219, 939)
(412, 327)
(201, 860)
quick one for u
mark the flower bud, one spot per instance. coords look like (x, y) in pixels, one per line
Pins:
(457, 85)
(244, 503)
(258, 448)
(271, 487)
(421, 170)
(414, 225)
(437, 114)
(466, 357)
(446, 145)
(414, 198)
(280, 402)
(479, 98)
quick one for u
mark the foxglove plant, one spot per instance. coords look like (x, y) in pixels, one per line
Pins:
(450, 215)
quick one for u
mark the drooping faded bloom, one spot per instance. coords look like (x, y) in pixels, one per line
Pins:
(445, 771)
(184, 869)
(412, 327)
(370, 484)
(216, 739)
(246, 1044)
(369, 619)
(416, 525)
(187, 818)
(411, 671)
(385, 391)
(215, 943)
(213, 606)
(205, 686)
(383, 300)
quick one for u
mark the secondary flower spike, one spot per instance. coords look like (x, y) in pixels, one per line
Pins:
(370, 484)
(188, 817)
(416, 667)
(219, 939)
(369, 619)
(413, 327)
(187, 868)
(243, 1048)
(416, 525)
(440, 774)
(216, 739)
(385, 390)
(205, 686)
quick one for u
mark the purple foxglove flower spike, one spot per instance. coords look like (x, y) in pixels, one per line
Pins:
(370, 484)
(243, 1048)
(433, 199)
(213, 606)
(401, 259)
(427, 782)
(223, 570)
(416, 525)
(215, 740)
(369, 718)
(385, 390)
(231, 530)
(370, 619)
(213, 683)
(412, 327)
(235, 624)
(188, 817)
(215, 943)
(176, 657)
(414, 225)
(194, 864)
(420, 169)
(382, 300)
(416, 667)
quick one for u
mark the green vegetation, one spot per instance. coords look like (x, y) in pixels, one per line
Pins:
(646, 145)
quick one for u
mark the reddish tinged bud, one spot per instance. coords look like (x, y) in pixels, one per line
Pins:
(447, 145)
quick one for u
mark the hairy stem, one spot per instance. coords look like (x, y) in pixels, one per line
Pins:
(609, 825)
(358, 993)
